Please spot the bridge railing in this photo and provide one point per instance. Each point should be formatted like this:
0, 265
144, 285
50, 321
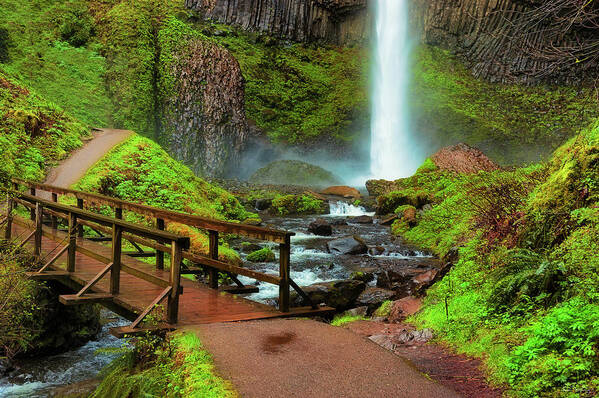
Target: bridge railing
75, 218
211, 263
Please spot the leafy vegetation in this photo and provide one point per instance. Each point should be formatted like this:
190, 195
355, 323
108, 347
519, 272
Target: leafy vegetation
522, 292
176, 367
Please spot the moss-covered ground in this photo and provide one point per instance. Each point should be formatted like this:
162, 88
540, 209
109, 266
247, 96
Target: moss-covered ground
51, 48
522, 293
176, 367
139, 170
34, 133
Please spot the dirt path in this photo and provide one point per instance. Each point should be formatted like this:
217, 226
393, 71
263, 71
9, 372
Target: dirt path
73, 168
305, 358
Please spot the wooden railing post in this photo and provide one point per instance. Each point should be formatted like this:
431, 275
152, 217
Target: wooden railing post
213, 247
115, 271
285, 257
80, 227
175, 280
159, 254
72, 242
9, 207
32, 211
54, 218
39, 212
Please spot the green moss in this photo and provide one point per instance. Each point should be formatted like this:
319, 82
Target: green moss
294, 172
263, 255
511, 123
181, 369
139, 170
384, 309
298, 204
53, 50
341, 319
427, 166
34, 133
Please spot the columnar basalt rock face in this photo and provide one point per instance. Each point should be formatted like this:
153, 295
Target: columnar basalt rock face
509, 40
204, 119
336, 21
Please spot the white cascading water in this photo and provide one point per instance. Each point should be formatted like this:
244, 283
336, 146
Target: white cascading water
393, 153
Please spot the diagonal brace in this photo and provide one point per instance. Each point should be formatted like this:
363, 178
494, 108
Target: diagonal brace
156, 301
95, 280
53, 259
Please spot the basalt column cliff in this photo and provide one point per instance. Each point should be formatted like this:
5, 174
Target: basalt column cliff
336, 21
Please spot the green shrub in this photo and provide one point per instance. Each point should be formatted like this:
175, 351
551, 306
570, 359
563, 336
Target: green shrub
384, 309
76, 25
343, 319
297, 204
561, 352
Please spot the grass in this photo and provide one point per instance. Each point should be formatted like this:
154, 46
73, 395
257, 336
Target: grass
181, 367
341, 319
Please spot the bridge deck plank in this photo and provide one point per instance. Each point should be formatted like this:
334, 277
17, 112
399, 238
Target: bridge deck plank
198, 304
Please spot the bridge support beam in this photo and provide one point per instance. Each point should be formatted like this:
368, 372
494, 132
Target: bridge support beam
284, 260
72, 242
39, 213
115, 270
213, 272
172, 313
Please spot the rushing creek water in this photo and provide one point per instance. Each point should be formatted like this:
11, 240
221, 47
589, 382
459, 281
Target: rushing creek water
38, 377
310, 263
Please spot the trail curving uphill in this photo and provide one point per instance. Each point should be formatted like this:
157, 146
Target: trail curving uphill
75, 166
310, 359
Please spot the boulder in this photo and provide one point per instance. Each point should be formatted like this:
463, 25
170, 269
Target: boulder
403, 308
373, 297
361, 220
376, 250
248, 247
340, 295
384, 340
339, 222
347, 245
294, 172
380, 187
364, 276
252, 221
358, 311
424, 280
344, 191
320, 227
263, 255
263, 204
463, 159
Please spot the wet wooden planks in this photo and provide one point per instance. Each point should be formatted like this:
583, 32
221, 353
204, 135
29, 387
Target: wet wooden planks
198, 304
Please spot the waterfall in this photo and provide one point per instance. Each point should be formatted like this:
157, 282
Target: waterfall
393, 153
340, 208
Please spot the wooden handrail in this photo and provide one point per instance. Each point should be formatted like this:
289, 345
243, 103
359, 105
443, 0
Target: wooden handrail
136, 229
75, 217
136, 234
252, 231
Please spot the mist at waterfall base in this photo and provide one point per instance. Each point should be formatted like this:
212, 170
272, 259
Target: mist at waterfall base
391, 148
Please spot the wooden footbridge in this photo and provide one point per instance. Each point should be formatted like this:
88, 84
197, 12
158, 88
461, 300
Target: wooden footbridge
91, 260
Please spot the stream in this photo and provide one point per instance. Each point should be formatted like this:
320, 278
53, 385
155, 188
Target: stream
39, 377
310, 261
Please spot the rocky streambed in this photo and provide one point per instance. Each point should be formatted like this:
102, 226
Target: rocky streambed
344, 259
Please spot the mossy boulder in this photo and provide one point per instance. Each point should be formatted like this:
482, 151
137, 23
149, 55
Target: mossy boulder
340, 295
305, 203
264, 255
294, 172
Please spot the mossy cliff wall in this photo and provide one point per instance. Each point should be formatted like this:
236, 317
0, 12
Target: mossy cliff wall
334, 21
